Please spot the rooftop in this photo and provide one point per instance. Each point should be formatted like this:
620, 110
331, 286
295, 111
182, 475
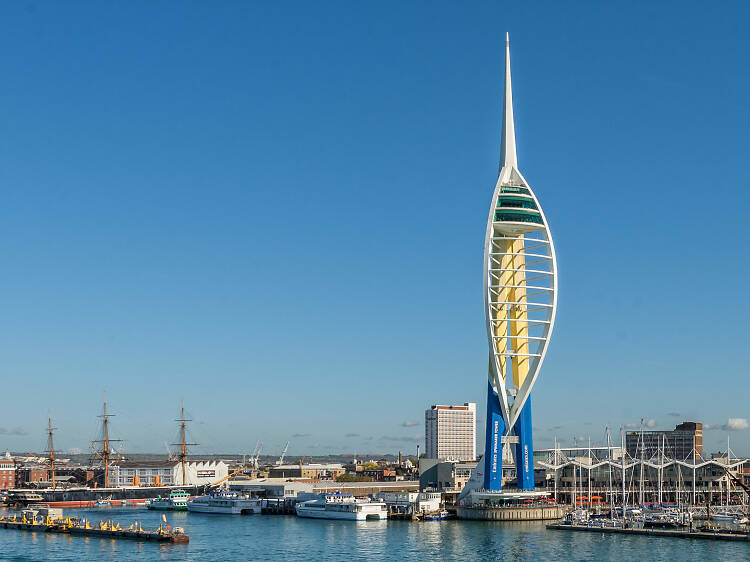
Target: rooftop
314, 466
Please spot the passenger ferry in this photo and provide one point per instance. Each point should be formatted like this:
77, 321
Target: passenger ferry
342, 506
177, 500
229, 503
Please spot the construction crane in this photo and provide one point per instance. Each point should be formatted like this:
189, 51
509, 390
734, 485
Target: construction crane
283, 454
256, 454
243, 468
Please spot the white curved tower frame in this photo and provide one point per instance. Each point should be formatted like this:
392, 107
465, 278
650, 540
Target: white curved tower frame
520, 277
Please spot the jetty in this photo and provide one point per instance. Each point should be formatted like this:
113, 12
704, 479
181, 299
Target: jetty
704, 533
105, 529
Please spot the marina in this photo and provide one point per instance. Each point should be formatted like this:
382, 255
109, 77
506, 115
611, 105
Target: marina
714, 534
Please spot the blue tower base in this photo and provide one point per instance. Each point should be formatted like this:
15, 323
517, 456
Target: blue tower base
493, 449
524, 449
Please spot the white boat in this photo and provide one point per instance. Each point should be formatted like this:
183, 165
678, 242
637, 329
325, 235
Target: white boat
229, 503
342, 506
730, 517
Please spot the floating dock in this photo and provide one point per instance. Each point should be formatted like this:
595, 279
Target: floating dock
717, 535
104, 530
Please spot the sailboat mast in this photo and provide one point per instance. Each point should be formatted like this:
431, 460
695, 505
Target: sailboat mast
640, 484
183, 444
661, 467
622, 439
51, 447
105, 452
555, 463
727, 474
609, 467
575, 470
183, 449
589, 473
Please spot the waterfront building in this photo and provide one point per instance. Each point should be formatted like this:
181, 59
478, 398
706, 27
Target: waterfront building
271, 488
7, 472
31, 475
448, 477
313, 471
520, 293
685, 441
166, 473
285, 488
450, 432
409, 503
601, 474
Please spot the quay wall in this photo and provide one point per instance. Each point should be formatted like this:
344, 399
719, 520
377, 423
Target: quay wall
540, 513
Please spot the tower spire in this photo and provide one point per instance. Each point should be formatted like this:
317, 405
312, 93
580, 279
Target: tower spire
508, 142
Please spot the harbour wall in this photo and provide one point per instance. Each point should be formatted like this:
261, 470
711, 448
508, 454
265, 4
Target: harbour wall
511, 513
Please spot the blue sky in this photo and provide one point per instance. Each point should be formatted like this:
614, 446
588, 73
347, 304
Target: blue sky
277, 213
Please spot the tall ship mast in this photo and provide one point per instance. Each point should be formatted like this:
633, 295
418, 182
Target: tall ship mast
104, 452
183, 444
51, 448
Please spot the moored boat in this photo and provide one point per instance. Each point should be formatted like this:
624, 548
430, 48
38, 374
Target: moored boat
730, 517
228, 503
177, 500
441, 515
342, 506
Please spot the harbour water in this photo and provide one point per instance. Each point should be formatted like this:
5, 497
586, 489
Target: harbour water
214, 537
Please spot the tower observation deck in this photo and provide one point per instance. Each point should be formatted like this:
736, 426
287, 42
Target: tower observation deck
520, 294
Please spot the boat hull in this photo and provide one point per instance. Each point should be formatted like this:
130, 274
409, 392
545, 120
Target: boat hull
224, 510
161, 507
316, 513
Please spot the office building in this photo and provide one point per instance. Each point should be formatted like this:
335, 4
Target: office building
684, 442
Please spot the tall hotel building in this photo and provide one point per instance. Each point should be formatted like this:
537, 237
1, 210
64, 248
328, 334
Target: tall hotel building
450, 432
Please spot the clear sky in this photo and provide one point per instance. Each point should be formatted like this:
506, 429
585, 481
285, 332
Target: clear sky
276, 211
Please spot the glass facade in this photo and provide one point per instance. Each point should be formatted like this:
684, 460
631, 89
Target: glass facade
514, 189
518, 216
516, 202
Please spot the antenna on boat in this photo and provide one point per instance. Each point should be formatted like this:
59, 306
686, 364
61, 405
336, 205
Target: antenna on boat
183, 454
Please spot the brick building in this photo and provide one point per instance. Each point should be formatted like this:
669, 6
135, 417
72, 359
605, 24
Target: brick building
7, 473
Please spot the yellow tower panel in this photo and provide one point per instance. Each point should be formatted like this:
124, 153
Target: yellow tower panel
511, 320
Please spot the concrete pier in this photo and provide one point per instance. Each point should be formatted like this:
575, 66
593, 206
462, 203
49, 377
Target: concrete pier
511, 513
716, 535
